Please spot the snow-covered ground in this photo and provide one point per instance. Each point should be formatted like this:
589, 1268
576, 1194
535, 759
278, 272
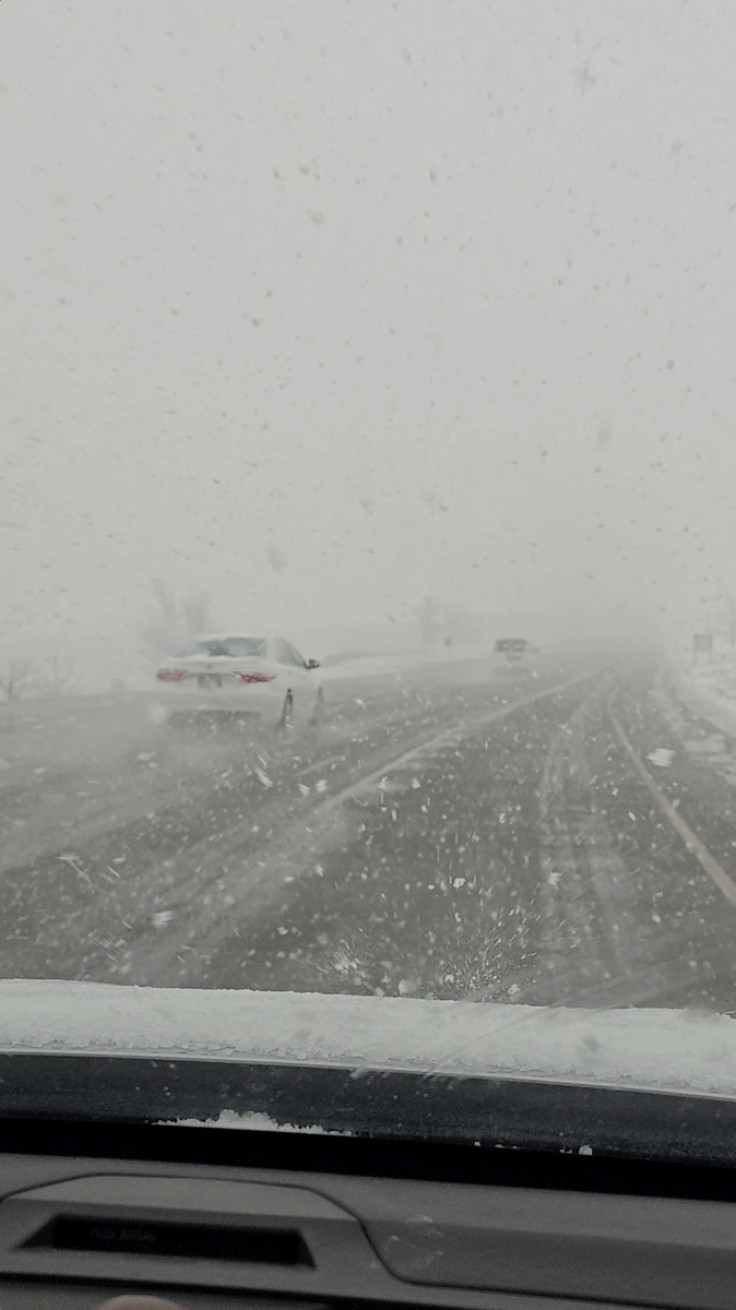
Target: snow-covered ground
42, 737
709, 691
397, 663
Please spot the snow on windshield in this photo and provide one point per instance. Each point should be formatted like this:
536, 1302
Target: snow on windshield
663, 1050
399, 333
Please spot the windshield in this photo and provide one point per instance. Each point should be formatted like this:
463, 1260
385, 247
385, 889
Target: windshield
232, 647
401, 332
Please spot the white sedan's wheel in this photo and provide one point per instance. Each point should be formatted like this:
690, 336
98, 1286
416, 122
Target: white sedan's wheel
287, 714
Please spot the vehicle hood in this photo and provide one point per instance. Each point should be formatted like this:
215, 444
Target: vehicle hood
657, 1049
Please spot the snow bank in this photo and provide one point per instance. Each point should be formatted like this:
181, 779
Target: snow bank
709, 691
370, 666
659, 1049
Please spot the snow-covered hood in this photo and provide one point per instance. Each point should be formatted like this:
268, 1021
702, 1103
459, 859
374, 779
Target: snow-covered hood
663, 1050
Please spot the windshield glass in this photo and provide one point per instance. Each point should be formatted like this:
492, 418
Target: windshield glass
401, 331
234, 647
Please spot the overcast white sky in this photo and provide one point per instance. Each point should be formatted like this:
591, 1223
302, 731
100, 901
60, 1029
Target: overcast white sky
424, 294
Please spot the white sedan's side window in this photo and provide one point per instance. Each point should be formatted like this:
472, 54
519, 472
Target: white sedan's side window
285, 654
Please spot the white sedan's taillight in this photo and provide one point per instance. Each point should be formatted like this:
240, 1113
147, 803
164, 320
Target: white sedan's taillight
249, 678
170, 675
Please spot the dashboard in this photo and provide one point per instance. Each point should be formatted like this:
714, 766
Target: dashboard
216, 1217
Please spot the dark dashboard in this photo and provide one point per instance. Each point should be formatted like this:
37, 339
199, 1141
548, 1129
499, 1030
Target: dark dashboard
94, 1206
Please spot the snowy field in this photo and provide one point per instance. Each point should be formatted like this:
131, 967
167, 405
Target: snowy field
370, 666
709, 690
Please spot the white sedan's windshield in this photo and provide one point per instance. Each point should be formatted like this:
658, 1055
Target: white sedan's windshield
231, 647
368, 533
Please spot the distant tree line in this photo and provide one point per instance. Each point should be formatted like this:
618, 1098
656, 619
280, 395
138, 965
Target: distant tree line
23, 675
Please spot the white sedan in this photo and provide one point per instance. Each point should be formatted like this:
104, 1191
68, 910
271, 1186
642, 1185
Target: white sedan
259, 677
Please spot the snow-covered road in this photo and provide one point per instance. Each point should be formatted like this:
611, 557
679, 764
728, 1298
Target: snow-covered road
443, 833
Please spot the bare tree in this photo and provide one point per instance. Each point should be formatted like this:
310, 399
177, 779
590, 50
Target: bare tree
165, 601
197, 608
55, 674
171, 620
16, 673
160, 628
